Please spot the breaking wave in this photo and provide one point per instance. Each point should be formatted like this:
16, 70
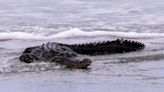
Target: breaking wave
42, 34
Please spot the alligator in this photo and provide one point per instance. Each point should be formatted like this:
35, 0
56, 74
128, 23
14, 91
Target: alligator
69, 54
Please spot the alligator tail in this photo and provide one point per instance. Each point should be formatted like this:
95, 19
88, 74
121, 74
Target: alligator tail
107, 47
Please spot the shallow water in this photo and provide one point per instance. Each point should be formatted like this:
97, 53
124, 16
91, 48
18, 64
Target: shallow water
27, 23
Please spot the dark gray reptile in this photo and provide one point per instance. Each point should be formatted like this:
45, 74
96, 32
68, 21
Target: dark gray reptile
68, 55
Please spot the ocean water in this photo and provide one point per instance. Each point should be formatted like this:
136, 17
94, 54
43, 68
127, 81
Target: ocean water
27, 23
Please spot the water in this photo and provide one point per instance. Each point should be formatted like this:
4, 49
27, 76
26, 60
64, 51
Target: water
27, 23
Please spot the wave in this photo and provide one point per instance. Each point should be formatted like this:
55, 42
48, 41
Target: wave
75, 32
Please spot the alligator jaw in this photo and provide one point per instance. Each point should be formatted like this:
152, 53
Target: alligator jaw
73, 63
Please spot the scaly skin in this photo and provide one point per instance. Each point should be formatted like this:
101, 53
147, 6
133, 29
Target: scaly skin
66, 54
107, 47
54, 52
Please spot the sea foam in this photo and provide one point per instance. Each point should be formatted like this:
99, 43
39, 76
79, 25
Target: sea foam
75, 32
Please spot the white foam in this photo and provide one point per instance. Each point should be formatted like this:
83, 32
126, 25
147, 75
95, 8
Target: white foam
75, 32
19, 35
